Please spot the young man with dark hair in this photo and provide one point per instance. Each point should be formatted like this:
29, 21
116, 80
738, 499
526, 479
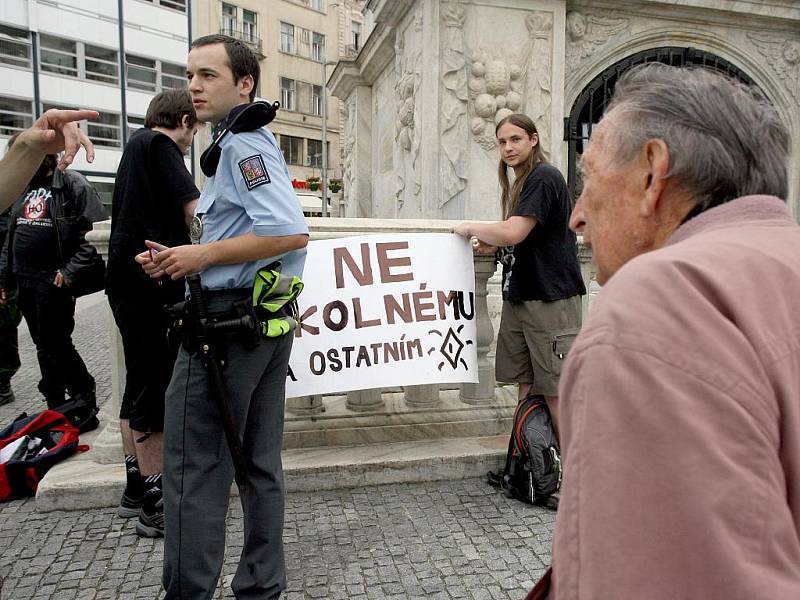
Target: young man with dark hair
153, 197
44, 252
247, 217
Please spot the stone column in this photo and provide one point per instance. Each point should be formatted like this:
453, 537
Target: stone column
107, 448
305, 405
357, 165
422, 396
365, 400
483, 391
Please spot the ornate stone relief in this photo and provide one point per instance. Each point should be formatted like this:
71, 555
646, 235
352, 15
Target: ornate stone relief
539, 79
407, 68
349, 152
587, 33
454, 104
499, 83
783, 57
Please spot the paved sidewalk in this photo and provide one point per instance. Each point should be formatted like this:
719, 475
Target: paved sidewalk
443, 540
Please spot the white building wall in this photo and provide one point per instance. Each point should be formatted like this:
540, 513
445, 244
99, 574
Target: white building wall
150, 31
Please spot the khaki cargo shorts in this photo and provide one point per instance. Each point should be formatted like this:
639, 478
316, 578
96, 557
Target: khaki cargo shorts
533, 342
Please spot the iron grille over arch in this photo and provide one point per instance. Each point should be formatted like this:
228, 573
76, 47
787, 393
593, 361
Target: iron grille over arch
593, 100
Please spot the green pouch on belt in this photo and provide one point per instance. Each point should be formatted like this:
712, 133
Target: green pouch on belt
274, 298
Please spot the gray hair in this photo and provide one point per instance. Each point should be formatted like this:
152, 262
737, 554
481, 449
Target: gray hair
725, 139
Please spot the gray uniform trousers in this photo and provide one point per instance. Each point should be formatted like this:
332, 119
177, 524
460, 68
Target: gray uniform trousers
198, 472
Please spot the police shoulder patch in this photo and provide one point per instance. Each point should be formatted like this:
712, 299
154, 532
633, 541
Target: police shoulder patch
254, 171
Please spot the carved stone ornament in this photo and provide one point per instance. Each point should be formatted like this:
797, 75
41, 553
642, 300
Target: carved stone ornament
587, 33
408, 70
454, 137
349, 151
500, 84
783, 57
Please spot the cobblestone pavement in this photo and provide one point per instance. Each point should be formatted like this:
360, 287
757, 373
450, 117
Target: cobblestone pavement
443, 540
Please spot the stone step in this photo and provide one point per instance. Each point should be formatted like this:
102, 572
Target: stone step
83, 483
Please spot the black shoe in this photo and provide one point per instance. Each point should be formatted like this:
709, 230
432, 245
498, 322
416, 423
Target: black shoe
129, 507
494, 479
6, 394
151, 524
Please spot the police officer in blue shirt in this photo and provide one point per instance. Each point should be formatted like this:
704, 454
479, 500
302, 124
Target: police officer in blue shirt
247, 216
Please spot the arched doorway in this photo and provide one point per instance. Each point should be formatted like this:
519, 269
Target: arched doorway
592, 101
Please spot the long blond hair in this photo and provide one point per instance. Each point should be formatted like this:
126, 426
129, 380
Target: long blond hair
510, 193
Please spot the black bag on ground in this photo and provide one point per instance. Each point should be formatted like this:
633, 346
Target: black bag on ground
532, 471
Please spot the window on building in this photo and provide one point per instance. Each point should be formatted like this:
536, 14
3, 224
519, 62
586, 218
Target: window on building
15, 115
15, 47
318, 5
100, 64
356, 35
318, 47
173, 4
304, 42
292, 148
141, 72
288, 91
105, 130
58, 55
134, 123
173, 76
314, 153
104, 189
287, 38
230, 24
316, 100
249, 26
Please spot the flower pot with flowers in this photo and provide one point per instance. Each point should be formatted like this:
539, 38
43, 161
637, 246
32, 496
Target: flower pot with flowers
312, 183
335, 185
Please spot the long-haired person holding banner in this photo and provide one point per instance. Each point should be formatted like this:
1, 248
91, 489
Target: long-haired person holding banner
542, 283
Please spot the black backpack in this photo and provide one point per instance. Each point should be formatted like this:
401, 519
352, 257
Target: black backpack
533, 464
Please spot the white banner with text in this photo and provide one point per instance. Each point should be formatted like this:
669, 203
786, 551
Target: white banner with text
385, 310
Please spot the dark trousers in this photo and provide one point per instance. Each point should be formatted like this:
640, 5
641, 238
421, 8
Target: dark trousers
198, 472
9, 346
143, 321
49, 312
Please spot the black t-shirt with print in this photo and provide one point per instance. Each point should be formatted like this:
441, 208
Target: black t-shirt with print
151, 189
544, 266
35, 248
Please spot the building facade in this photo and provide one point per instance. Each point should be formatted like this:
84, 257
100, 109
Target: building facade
298, 42
433, 77
75, 54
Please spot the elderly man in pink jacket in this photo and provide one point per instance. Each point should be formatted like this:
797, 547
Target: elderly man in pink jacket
681, 396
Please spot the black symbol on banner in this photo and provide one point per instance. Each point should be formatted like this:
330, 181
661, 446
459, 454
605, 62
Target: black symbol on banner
451, 347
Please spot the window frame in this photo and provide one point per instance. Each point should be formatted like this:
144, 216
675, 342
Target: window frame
287, 39
27, 118
54, 68
288, 102
8, 35
299, 147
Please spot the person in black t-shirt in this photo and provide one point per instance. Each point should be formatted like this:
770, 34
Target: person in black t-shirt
154, 197
45, 252
542, 284
9, 320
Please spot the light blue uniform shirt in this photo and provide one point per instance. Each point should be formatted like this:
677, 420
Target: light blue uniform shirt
250, 192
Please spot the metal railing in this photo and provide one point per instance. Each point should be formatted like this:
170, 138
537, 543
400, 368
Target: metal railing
248, 38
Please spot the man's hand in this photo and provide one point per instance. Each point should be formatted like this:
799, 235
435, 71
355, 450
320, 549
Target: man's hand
480, 247
55, 131
180, 261
2, 296
146, 260
462, 229
59, 280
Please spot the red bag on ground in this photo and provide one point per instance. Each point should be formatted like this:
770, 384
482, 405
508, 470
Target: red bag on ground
29, 446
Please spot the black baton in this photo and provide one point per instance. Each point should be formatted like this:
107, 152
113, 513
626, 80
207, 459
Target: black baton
198, 311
